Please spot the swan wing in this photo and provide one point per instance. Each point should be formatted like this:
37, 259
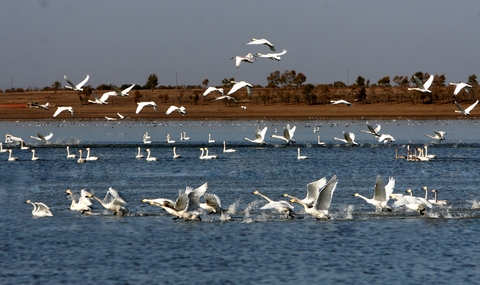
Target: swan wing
470, 108
418, 82
379, 191
171, 109
182, 201
193, 202
79, 85
104, 97
326, 193
212, 200
115, 196
140, 106
200, 191
459, 107
429, 82
209, 89
118, 92
59, 110
47, 137
69, 82
313, 190
236, 86
389, 187
126, 90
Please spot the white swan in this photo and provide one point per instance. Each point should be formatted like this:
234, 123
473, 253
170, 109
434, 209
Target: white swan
139, 153
436, 201
80, 159
80, 201
40, 209
61, 109
439, 135
272, 56
113, 202
421, 155
210, 140
33, 155
117, 92
313, 189
417, 204
150, 158
212, 204
183, 136
238, 59
100, 101
425, 188
90, 158
77, 87
180, 110
430, 156
467, 110
287, 134
226, 97
70, 155
320, 142
423, 87
146, 138
42, 138
23, 146
45, 106
386, 138
122, 117
2, 149
398, 156
211, 156
300, 157
374, 132
175, 155
10, 157
349, 139
381, 194
110, 118
11, 139
255, 41
259, 136
281, 206
336, 102
225, 149
459, 87
168, 140
238, 85
213, 89
202, 156
140, 106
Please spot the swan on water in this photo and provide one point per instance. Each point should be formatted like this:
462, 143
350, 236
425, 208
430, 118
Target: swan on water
150, 158
413, 203
33, 155
90, 158
374, 132
180, 110
430, 156
423, 87
212, 204
139, 153
336, 102
146, 138
459, 87
349, 139
113, 202
140, 106
320, 142
300, 157
272, 56
255, 41
225, 149
211, 156
439, 135
80, 159
42, 138
175, 155
77, 87
40, 209
259, 136
168, 140
313, 189
2, 149
436, 201
238, 85
61, 109
398, 156
287, 134
381, 194
466, 111
210, 140
238, 59
80, 201
213, 89
10, 157
183, 136
281, 206
22, 146
70, 155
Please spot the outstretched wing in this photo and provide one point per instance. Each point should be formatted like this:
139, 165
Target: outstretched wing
79, 85
429, 82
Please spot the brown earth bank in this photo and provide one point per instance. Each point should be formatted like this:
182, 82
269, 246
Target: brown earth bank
15, 106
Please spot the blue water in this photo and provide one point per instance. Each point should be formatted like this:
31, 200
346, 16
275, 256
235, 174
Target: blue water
252, 247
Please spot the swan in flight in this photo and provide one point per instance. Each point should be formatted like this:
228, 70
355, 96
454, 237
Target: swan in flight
210, 140
140, 106
70, 155
423, 87
80, 159
459, 87
90, 158
272, 56
313, 189
255, 41
417, 204
300, 157
77, 87
183, 136
117, 92
40, 209
259, 136
281, 206
10, 157
113, 202
349, 139
80, 201
33, 155
42, 138
180, 110
2, 149
436, 201
212, 204
101, 101
238, 85
175, 155
11, 139
226, 97
139, 153
122, 117
386, 138
45, 106
467, 110
150, 158
225, 149
439, 135
110, 118
381, 194
374, 132
61, 109
319, 208
336, 102
213, 89
287, 134
168, 140
238, 59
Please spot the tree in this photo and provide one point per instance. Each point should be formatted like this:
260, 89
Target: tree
384, 81
472, 80
205, 82
288, 77
56, 85
137, 96
227, 82
339, 84
273, 80
152, 82
362, 95
299, 79
360, 81
310, 96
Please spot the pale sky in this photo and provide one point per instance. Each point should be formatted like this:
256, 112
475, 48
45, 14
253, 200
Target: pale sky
122, 42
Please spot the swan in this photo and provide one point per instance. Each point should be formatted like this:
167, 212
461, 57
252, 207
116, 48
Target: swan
213, 89
183, 136
180, 110
40, 209
238, 59
90, 158
287, 134
80, 201
207, 156
423, 87
113, 202
381, 194
100, 101
281, 206
238, 85
225, 149
117, 92
45, 106
320, 142
398, 156
300, 157
349, 139
22, 146
69, 155
2, 149
212, 204
243, 107
150, 158
259, 136
33, 155
110, 118
386, 138
210, 139
139, 153
61, 109
226, 97
439, 135
425, 188
146, 138
321, 205
122, 117
175, 155
467, 110
140, 106
42, 138
202, 156
272, 56
80, 159
77, 87
168, 140
372, 131
10, 157
313, 189
421, 155
336, 102
417, 204
459, 87
430, 156
255, 41
436, 201
11, 139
